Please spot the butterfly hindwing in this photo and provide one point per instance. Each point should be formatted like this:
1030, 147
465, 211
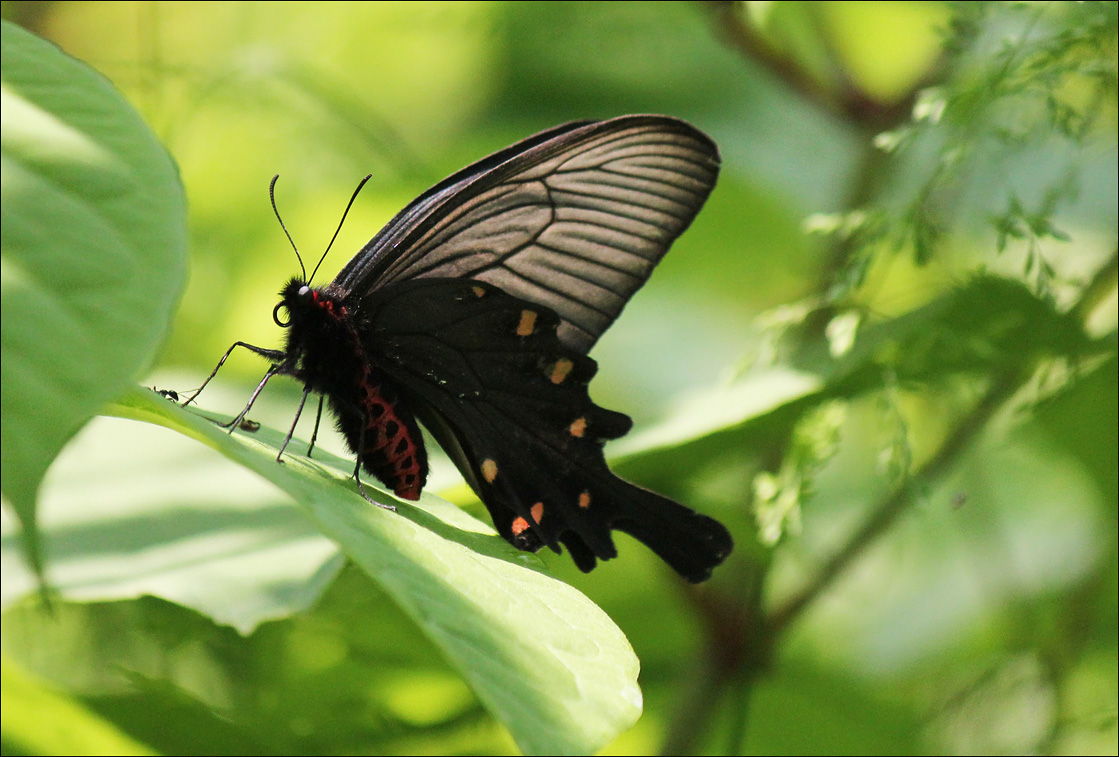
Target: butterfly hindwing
488, 374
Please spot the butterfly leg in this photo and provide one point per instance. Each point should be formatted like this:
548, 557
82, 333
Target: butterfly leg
315, 433
240, 417
291, 431
276, 356
357, 475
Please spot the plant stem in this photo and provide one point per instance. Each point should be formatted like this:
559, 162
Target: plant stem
883, 515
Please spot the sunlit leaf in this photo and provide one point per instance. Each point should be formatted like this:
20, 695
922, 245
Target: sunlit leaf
93, 255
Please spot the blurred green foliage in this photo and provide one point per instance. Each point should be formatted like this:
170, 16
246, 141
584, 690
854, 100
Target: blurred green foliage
884, 355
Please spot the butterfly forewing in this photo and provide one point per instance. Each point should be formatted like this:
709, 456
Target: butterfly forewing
575, 222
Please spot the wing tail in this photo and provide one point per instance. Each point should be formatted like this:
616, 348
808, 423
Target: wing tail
692, 544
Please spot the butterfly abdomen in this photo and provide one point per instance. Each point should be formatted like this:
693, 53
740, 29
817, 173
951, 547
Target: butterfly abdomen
384, 435
378, 427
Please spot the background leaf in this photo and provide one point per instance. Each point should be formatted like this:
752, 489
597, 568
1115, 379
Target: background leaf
94, 255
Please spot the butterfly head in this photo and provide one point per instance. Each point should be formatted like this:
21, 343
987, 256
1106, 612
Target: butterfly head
295, 298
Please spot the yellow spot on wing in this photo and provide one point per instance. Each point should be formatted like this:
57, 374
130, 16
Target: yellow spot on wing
538, 511
527, 324
478, 291
561, 370
578, 426
489, 470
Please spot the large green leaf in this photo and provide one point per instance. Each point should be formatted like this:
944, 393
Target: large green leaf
39, 720
93, 255
130, 510
544, 659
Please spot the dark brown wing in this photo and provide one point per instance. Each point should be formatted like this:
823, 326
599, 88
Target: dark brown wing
488, 375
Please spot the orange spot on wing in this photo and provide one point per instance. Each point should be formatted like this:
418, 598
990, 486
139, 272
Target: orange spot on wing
578, 426
561, 370
478, 291
527, 324
538, 511
585, 500
489, 470
520, 525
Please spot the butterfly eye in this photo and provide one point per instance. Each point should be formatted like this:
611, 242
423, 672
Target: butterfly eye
276, 316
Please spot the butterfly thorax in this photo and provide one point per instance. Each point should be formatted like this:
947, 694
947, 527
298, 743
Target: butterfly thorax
325, 351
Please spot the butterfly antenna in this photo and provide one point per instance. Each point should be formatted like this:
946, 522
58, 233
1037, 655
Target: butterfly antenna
344, 214
272, 196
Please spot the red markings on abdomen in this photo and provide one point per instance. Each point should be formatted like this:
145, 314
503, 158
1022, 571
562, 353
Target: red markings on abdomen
389, 449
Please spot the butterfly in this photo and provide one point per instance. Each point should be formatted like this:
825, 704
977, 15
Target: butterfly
473, 311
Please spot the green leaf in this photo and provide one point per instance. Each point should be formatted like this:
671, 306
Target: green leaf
38, 720
544, 659
93, 256
130, 510
986, 325
353, 675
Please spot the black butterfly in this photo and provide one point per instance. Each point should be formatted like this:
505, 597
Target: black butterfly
473, 311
